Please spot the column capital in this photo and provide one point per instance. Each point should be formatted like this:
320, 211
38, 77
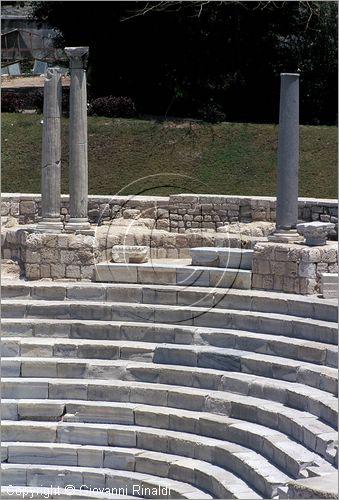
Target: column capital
55, 70
77, 56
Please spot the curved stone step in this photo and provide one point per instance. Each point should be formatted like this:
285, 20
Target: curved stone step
271, 443
305, 351
280, 324
8, 492
245, 463
220, 483
234, 258
314, 487
259, 393
198, 357
247, 300
128, 481
304, 428
167, 274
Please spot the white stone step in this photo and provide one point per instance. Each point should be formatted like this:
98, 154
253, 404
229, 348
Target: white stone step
278, 324
176, 357
314, 487
129, 482
234, 258
271, 443
250, 300
221, 482
50, 334
304, 428
245, 463
199, 396
9, 492
172, 274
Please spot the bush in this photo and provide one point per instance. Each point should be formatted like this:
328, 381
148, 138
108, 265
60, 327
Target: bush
34, 100
212, 112
114, 107
10, 103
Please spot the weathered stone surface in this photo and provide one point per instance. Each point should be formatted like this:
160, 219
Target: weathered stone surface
125, 253
315, 233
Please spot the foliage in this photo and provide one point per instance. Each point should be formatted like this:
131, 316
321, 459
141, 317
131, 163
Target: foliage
10, 103
172, 57
112, 106
212, 112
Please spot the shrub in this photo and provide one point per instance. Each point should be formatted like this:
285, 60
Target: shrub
212, 112
35, 100
112, 106
10, 103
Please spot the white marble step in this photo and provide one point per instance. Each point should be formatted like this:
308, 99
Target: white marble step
9, 492
248, 465
129, 482
173, 274
314, 487
39, 330
305, 429
201, 358
249, 300
201, 395
280, 324
234, 258
269, 442
221, 483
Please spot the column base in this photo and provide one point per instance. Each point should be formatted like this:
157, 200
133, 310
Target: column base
285, 236
49, 225
79, 225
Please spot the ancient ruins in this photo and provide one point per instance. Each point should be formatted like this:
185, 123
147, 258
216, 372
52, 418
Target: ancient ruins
167, 347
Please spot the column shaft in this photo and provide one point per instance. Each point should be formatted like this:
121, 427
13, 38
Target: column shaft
51, 153
78, 172
288, 153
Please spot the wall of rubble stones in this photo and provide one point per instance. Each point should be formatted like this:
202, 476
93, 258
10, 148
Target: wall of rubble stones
292, 268
175, 213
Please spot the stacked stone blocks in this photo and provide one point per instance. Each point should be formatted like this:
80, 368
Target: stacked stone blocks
57, 256
292, 268
176, 213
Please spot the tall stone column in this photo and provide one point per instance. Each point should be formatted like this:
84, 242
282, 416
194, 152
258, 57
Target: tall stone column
288, 160
51, 154
78, 171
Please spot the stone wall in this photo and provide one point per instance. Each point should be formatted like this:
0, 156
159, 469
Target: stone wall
292, 268
212, 211
26, 208
177, 213
52, 256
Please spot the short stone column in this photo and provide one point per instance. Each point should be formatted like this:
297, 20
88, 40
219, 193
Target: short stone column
78, 170
51, 154
288, 160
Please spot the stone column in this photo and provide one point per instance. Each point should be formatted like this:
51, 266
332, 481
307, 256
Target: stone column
78, 170
51, 154
288, 160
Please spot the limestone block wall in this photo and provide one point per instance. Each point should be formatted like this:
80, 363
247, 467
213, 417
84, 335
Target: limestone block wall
175, 213
26, 208
52, 256
212, 211
292, 268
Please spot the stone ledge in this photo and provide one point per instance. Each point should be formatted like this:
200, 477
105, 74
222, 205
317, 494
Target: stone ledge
314, 487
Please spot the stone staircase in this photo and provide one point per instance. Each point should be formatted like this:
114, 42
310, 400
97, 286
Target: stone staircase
210, 392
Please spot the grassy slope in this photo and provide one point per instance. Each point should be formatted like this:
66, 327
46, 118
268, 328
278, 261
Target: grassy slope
228, 158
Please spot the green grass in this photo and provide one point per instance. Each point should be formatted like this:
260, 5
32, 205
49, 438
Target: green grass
162, 157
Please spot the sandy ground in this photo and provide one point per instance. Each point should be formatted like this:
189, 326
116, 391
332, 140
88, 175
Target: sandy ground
28, 81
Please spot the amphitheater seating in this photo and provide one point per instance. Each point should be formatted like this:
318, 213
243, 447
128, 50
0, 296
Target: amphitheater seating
212, 392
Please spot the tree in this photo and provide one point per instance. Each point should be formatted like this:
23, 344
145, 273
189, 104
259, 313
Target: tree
184, 57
